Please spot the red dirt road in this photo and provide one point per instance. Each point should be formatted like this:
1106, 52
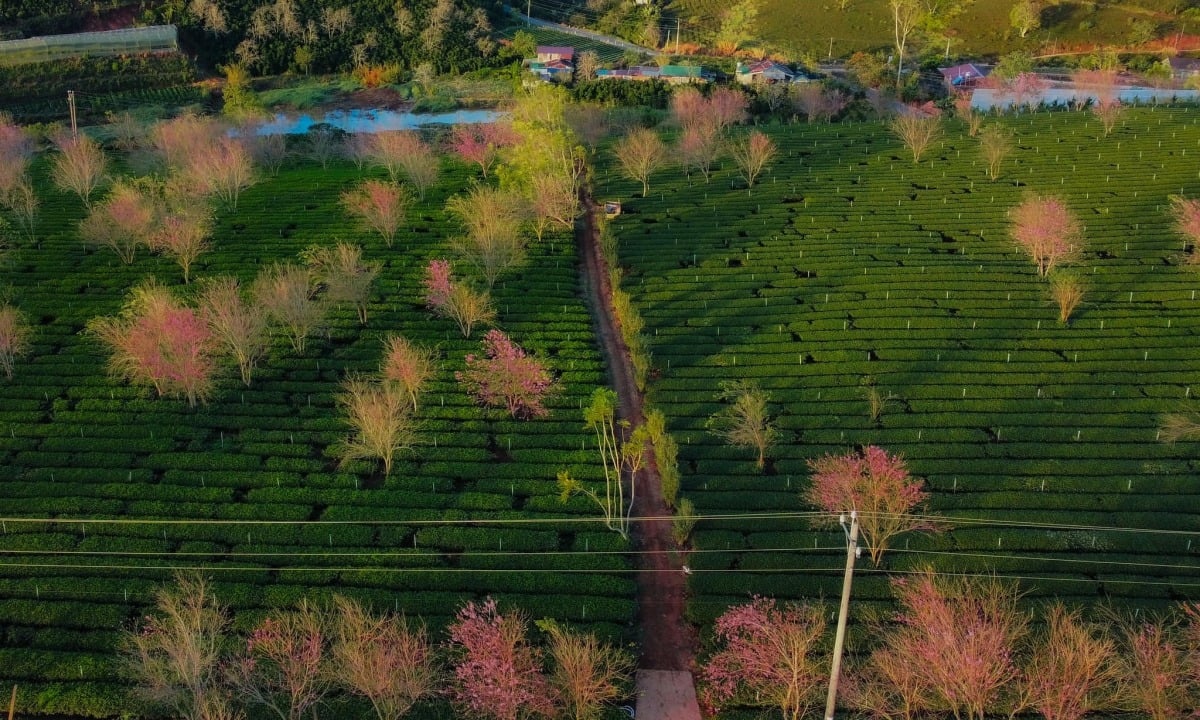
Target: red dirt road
667, 641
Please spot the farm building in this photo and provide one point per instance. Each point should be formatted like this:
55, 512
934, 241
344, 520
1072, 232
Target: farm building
961, 77
1184, 69
673, 74
767, 71
553, 70
549, 53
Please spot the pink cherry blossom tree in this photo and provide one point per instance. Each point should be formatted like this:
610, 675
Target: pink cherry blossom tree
1103, 86
1047, 230
768, 657
285, 667
497, 674
378, 205
960, 636
16, 150
507, 377
455, 300
481, 143
14, 338
125, 220
878, 486
160, 342
402, 152
223, 167
698, 148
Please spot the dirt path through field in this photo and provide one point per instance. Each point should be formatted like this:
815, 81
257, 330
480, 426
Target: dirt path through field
666, 638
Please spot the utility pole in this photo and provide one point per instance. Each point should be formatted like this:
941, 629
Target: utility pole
830, 48
676, 34
71, 106
528, 12
839, 639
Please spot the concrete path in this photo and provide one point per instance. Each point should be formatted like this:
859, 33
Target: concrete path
666, 695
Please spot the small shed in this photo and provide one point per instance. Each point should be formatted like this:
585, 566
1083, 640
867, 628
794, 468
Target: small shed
548, 53
764, 71
961, 77
612, 208
1184, 68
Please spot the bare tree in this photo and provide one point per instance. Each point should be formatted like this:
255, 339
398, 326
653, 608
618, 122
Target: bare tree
174, 657
1074, 669
382, 658
182, 234
587, 673
746, 420
408, 365
555, 202
449, 298
222, 168
586, 65
346, 276
125, 220
492, 218
640, 153
1067, 292
380, 206
79, 166
288, 295
284, 667
402, 152
916, 130
14, 338
240, 327
1154, 671
381, 419
752, 153
995, 143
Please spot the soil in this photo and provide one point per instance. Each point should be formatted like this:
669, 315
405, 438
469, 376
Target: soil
667, 640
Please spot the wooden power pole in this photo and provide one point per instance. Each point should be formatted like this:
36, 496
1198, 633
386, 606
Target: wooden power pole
71, 107
839, 639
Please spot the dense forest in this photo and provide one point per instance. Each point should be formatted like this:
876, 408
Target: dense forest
298, 35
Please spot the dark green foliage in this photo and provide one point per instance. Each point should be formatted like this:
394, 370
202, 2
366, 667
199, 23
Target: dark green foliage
649, 93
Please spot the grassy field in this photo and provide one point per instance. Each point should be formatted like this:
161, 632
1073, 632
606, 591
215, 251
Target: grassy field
849, 265
547, 36
983, 29
246, 489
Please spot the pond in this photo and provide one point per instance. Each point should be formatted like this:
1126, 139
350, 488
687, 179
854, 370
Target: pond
988, 99
371, 121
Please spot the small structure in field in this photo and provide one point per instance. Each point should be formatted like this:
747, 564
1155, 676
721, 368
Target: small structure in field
962, 77
612, 208
548, 53
672, 74
767, 72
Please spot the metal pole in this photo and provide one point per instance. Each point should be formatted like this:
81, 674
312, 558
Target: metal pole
676, 34
528, 12
840, 637
71, 105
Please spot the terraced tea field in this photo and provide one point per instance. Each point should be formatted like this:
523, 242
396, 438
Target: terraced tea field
104, 490
849, 265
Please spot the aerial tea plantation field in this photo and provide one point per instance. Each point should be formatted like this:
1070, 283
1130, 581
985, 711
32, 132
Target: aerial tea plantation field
849, 267
105, 489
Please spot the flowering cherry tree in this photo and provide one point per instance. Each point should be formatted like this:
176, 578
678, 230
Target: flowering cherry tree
1045, 227
507, 377
125, 220
158, 341
959, 637
285, 667
1073, 670
183, 235
497, 674
698, 148
402, 152
378, 205
768, 657
481, 143
874, 483
408, 365
456, 300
